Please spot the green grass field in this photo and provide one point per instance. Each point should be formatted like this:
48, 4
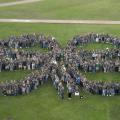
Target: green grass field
106, 77
4, 1
44, 104
65, 9
14, 75
96, 46
62, 32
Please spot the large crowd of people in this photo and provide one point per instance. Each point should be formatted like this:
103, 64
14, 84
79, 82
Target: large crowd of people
64, 67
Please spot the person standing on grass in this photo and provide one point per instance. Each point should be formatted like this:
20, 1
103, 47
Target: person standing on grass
56, 82
0, 65
59, 87
62, 92
69, 92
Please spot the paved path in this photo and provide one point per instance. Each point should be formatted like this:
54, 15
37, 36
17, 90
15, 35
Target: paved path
60, 21
18, 2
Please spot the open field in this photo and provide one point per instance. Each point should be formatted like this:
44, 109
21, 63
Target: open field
96, 46
106, 77
43, 103
65, 9
4, 1
14, 3
63, 33
15, 75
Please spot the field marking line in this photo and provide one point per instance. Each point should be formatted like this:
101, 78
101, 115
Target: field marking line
18, 2
106, 22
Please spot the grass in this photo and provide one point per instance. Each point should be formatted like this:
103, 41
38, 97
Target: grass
4, 1
96, 46
36, 48
65, 9
106, 77
44, 104
62, 32
13, 75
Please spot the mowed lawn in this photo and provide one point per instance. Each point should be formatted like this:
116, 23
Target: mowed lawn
4, 1
65, 9
62, 32
106, 77
96, 46
44, 104
14, 75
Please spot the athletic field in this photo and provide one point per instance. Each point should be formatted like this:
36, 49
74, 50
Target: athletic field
44, 104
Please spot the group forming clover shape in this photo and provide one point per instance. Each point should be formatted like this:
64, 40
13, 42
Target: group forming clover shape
60, 65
